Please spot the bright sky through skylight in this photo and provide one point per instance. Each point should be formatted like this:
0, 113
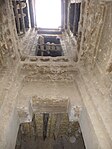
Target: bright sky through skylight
48, 13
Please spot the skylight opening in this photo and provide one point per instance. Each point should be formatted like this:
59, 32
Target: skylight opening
48, 14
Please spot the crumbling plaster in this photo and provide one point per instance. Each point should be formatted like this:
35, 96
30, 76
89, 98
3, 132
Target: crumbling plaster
95, 58
8, 35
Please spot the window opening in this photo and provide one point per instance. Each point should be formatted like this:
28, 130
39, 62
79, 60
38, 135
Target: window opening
49, 46
21, 15
48, 13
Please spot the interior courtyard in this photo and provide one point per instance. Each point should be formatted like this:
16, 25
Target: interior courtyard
55, 74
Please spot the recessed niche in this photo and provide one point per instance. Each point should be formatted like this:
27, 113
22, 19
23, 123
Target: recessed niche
49, 46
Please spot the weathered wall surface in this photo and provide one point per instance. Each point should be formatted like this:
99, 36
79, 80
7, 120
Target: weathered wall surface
96, 44
96, 58
104, 53
105, 45
8, 113
91, 25
8, 86
95, 30
8, 37
8, 72
96, 39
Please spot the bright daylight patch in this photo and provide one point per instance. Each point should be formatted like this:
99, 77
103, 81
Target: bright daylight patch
48, 13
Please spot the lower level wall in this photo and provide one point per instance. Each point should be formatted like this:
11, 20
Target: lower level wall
88, 132
9, 131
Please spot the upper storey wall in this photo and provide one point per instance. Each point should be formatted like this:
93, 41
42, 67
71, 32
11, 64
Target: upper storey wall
104, 52
95, 33
8, 37
95, 46
91, 25
95, 38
